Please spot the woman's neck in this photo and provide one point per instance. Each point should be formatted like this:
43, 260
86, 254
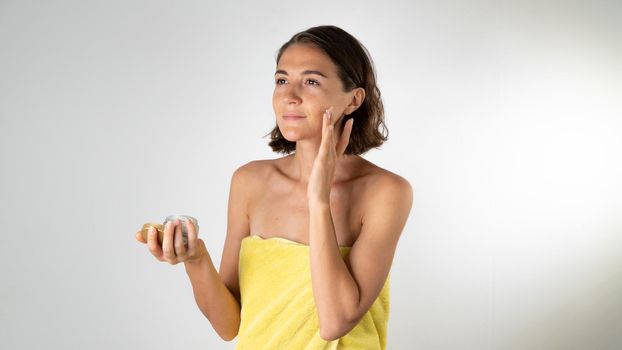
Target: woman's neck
301, 162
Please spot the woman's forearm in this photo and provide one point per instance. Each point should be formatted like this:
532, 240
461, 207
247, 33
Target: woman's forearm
213, 298
334, 288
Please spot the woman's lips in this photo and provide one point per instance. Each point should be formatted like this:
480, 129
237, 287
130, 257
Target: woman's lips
293, 117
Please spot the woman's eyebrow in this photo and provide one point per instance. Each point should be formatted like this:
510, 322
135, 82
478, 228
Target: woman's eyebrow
280, 71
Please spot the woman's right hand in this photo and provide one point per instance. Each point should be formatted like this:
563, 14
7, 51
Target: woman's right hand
173, 250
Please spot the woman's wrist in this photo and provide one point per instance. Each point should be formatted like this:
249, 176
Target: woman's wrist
197, 263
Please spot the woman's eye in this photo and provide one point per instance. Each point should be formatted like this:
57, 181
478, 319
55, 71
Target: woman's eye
281, 81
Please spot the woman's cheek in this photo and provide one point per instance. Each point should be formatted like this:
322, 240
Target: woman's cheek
319, 114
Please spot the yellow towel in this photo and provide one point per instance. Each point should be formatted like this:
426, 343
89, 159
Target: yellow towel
278, 308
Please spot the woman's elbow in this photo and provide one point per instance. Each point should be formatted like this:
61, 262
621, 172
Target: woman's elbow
335, 330
227, 333
227, 336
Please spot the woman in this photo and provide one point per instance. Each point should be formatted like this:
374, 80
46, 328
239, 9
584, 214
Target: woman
310, 236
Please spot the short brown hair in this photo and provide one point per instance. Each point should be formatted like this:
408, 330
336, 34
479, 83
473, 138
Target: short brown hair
356, 69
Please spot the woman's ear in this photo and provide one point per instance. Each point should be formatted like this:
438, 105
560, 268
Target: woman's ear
358, 96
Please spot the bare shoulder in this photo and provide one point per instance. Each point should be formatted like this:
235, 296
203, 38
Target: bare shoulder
253, 169
378, 179
383, 189
251, 178
253, 172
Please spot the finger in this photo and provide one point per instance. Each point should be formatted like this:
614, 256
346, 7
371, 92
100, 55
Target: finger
327, 133
192, 238
139, 237
332, 119
344, 138
167, 242
334, 123
180, 247
326, 120
333, 136
153, 245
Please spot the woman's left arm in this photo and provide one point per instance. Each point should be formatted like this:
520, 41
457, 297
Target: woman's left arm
345, 290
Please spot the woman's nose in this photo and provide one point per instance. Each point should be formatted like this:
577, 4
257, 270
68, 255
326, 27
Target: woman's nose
291, 95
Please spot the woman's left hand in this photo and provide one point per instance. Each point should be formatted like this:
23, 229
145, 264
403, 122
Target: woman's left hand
330, 153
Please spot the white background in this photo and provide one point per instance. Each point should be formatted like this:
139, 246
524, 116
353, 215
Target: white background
504, 116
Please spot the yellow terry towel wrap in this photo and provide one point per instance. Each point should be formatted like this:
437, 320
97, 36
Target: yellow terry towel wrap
278, 308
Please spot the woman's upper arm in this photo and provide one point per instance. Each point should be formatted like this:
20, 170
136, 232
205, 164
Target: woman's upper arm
238, 226
372, 254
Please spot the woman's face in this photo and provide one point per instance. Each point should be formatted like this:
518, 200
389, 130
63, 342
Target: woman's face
306, 84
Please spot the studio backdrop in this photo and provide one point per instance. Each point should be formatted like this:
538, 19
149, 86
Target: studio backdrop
505, 117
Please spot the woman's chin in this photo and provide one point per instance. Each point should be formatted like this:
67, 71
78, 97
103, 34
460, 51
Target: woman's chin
294, 134
291, 135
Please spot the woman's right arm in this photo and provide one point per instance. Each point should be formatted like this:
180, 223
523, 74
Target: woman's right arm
213, 297
218, 294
